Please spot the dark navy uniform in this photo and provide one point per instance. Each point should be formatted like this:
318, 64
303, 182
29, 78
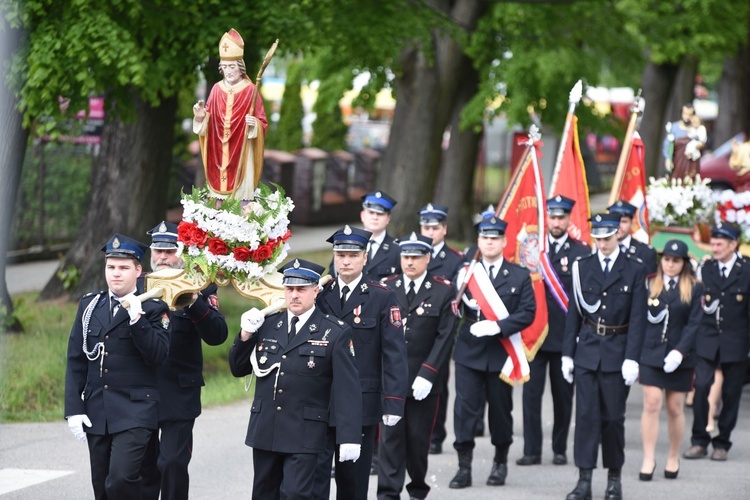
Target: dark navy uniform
604, 335
672, 324
446, 262
429, 321
386, 261
549, 354
374, 316
314, 382
115, 383
722, 341
180, 381
643, 251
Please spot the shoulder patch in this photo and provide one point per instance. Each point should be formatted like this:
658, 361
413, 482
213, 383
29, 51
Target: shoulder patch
395, 316
442, 280
213, 302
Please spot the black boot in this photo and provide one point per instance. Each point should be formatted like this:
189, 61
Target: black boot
614, 486
498, 474
462, 479
582, 490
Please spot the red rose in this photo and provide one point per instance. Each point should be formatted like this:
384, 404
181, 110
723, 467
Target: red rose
184, 229
287, 235
242, 254
190, 234
262, 253
217, 246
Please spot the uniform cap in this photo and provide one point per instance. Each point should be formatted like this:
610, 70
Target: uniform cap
559, 205
432, 214
415, 244
350, 238
301, 273
123, 247
378, 202
622, 208
164, 235
726, 230
676, 248
491, 227
604, 225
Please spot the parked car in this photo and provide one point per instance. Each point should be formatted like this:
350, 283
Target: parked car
715, 166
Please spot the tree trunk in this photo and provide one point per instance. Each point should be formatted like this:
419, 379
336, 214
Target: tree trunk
456, 182
128, 190
733, 98
12, 150
657, 89
426, 93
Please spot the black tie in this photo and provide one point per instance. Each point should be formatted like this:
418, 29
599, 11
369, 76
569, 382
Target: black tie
492, 272
373, 248
670, 284
724, 272
344, 293
410, 294
606, 266
115, 306
555, 247
293, 328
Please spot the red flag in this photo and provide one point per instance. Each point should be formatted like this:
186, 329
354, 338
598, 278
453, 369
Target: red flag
524, 209
571, 182
633, 189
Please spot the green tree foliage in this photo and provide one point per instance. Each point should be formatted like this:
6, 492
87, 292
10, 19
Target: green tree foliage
329, 129
288, 136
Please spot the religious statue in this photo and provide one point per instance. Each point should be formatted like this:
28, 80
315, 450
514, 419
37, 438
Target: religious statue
683, 144
231, 126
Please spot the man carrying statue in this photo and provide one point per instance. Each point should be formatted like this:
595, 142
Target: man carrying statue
231, 126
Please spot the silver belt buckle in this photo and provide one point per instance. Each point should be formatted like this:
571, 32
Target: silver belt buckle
601, 330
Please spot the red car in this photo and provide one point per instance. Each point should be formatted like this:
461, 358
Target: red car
715, 166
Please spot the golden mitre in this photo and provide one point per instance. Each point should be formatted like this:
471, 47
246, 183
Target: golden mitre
231, 46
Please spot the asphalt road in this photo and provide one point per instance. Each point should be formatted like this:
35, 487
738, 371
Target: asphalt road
222, 464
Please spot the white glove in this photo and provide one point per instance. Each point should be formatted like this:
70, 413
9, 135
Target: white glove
629, 371
135, 308
75, 424
348, 451
672, 361
421, 388
252, 320
484, 328
566, 364
391, 420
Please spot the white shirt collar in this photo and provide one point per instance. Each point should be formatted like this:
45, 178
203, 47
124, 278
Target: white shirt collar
612, 257
378, 239
113, 296
498, 264
351, 285
729, 265
302, 317
560, 241
417, 282
436, 248
626, 241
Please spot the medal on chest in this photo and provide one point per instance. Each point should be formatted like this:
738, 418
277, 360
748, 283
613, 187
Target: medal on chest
357, 311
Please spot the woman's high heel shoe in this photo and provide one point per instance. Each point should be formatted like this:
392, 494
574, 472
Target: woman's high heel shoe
648, 476
672, 474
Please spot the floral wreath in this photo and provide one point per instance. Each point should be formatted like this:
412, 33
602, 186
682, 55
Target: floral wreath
235, 239
732, 206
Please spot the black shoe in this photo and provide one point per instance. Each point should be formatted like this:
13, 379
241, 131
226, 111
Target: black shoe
436, 448
462, 479
529, 460
479, 432
672, 474
614, 486
582, 490
498, 474
560, 459
647, 476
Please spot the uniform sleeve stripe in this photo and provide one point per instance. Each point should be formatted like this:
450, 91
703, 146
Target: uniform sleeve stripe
430, 368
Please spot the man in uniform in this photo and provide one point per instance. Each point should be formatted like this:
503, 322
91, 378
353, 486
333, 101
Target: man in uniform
643, 251
563, 252
603, 338
426, 301
479, 355
373, 313
306, 376
723, 340
165, 467
382, 250
115, 345
444, 261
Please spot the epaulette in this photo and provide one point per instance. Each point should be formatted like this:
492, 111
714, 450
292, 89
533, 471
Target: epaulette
442, 280
587, 256
378, 284
334, 320
91, 294
634, 257
388, 278
454, 251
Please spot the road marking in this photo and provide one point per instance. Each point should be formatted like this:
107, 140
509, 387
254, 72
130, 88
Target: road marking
16, 479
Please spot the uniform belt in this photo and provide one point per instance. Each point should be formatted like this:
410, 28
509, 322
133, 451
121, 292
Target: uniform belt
603, 330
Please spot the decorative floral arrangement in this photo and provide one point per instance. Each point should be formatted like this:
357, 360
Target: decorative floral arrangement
734, 207
680, 202
234, 239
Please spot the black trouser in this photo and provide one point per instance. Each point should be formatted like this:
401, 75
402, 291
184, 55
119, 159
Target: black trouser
439, 433
283, 475
165, 467
352, 478
472, 387
562, 403
404, 448
731, 393
116, 463
600, 417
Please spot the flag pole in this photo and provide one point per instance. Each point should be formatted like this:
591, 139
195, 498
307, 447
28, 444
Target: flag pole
622, 163
573, 98
533, 137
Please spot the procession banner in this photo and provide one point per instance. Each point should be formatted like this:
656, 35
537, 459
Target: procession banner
633, 189
572, 183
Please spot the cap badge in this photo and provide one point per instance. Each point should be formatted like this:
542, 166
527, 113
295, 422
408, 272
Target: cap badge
162, 227
378, 195
619, 203
558, 198
296, 263
413, 236
598, 218
347, 230
493, 220
116, 243
429, 207
674, 246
